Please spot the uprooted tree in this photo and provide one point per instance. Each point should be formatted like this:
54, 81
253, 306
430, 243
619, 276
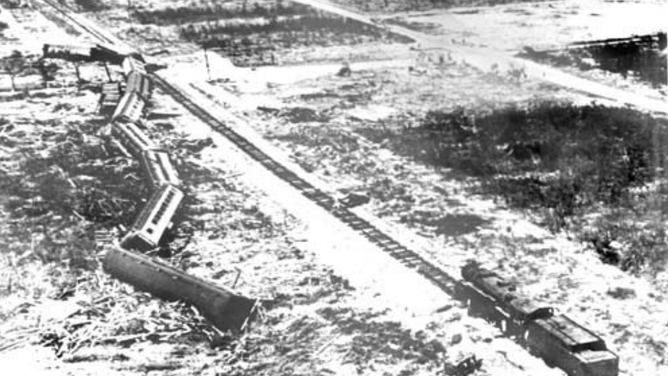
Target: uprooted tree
47, 70
14, 64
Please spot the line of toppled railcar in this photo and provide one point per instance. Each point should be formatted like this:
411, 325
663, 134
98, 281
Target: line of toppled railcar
156, 216
124, 104
559, 340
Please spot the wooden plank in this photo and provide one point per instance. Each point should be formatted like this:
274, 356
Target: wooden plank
225, 309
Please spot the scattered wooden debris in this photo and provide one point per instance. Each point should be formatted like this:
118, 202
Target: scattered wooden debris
223, 308
465, 367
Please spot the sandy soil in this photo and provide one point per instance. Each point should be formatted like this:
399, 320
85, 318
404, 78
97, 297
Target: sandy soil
488, 58
242, 226
513, 26
62, 315
471, 227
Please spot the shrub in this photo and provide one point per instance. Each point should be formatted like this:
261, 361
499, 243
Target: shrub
635, 247
552, 155
641, 55
91, 5
215, 11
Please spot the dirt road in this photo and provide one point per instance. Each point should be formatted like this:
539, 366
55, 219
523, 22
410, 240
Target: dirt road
484, 59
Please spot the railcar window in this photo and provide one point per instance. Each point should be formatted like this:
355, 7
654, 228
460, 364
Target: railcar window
163, 207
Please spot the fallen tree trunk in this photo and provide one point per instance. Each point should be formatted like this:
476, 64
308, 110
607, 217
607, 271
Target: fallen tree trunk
223, 308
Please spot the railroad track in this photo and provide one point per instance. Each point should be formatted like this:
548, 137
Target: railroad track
383, 241
558, 340
66, 12
386, 243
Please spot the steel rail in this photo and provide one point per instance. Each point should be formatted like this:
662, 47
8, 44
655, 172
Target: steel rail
383, 241
386, 243
405, 256
66, 12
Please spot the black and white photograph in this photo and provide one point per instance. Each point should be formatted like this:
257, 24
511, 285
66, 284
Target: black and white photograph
333, 188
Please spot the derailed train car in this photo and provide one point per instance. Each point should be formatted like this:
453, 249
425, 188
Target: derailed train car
560, 341
73, 53
153, 220
130, 108
131, 137
158, 168
131, 64
111, 94
137, 93
138, 83
224, 308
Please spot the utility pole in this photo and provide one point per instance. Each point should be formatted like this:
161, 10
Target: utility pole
206, 60
76, 70
106, 69
132, 27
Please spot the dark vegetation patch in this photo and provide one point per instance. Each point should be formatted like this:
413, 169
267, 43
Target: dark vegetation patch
220, 10
255, 43
381, 340
12, 4
307, 30
76, 175
252, 34
425, 27
303, 114
637, 246
549, 154
638, 56
388, 6
91, 5
448, 224
558, 159
63, 187
320, 137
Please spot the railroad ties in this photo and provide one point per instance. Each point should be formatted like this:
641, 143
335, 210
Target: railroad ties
383, 241
557, 339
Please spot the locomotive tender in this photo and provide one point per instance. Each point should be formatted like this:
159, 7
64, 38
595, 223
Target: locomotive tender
557, 339
154, 219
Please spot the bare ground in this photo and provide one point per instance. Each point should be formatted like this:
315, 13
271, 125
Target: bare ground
235, 231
